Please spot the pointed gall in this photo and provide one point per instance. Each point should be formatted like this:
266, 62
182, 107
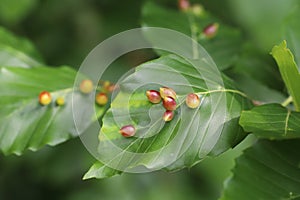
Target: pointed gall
183, 5
211, 30
127, 131
192, 100
169, 103
165, 91
153, 96
168, 115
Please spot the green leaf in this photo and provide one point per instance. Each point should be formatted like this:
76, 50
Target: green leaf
291, 33
192, 135
256, 74
256, 90
24, 123
99, 170
223, 48
17, 51
289, 71
268, 170
271, 121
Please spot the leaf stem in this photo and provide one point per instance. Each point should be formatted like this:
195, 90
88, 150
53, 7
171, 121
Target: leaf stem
223, 90
193, 28
181, 99
287, 101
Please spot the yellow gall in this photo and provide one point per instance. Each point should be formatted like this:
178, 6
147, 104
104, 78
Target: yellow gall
165, 91
168, 115
45, 98
101, 99
86, 86
60, 101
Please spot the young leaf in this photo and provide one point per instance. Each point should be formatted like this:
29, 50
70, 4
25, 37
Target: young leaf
189, 137
24, 122
291, 33
223, 48
289, 71
268, 170
271, 121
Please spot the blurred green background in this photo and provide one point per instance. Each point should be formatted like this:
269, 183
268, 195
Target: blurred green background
65, 31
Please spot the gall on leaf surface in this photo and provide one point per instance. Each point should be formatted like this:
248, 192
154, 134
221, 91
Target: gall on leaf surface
25, 123
189, 137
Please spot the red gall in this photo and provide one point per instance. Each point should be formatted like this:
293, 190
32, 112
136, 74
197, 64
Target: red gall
183, 5
127, 131
153, 96
211, 30
192, 100
169, 103
168, 115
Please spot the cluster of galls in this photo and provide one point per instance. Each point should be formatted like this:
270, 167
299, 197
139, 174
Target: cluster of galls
45, 98
168, 97
86, 86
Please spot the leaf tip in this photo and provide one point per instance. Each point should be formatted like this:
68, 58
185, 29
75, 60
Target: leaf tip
282, 45
87, 176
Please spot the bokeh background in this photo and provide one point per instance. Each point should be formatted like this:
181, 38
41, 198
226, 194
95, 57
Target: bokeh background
65, 31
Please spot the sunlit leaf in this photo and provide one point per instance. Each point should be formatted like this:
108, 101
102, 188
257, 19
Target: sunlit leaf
289, 71
192, 135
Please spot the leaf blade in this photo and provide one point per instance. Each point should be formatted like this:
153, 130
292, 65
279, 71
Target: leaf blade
190, 128
271, 121
289, 71
267, 170
24, 123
